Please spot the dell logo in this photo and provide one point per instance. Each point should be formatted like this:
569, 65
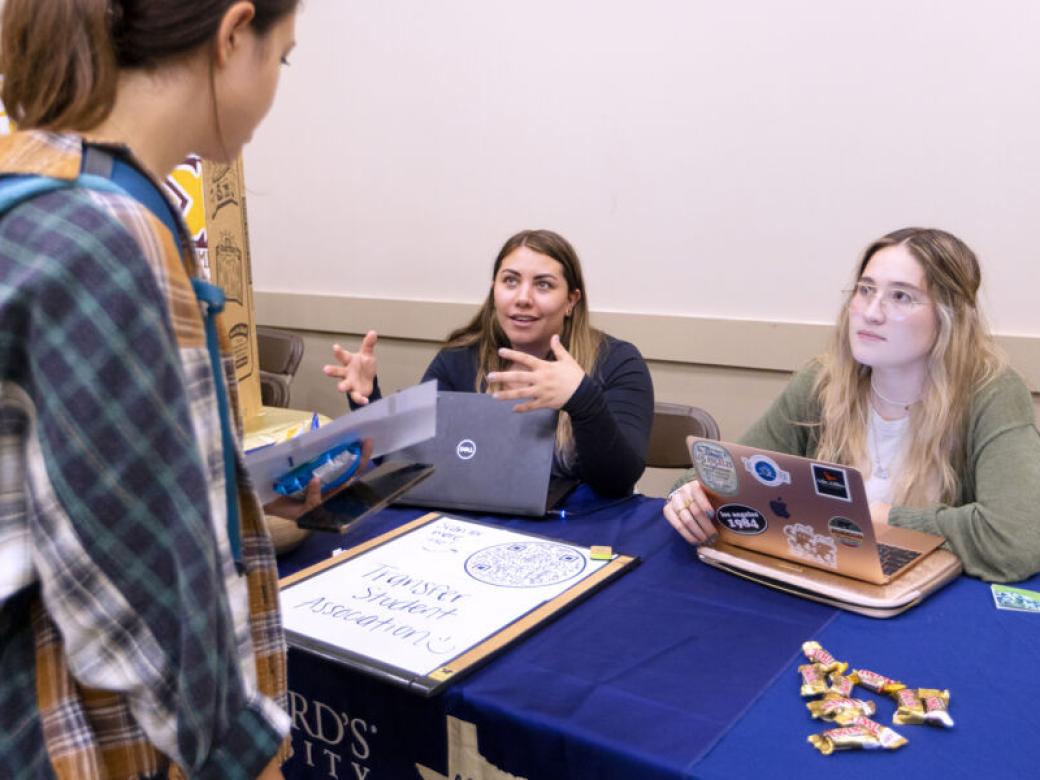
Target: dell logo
466, 449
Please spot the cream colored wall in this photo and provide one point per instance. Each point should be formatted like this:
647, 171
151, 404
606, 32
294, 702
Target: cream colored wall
707, 159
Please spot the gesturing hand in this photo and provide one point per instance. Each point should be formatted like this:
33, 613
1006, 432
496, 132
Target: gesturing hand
356, 370
547, 384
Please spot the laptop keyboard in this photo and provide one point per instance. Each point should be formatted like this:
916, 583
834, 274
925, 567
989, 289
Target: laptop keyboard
895, 558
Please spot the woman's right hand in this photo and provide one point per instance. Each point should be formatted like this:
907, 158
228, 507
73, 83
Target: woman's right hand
688, 510
356, 370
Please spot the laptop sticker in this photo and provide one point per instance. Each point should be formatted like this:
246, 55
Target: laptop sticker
765, 470
831, 481
803, 541
715, 468
846, 532
741, 519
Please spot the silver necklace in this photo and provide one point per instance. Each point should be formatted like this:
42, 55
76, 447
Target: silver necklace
905, 404
879, 468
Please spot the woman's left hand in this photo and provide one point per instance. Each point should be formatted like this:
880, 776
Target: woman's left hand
548, 384
292, 508
879, 513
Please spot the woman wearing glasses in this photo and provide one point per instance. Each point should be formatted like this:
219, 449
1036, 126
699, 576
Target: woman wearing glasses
914, 393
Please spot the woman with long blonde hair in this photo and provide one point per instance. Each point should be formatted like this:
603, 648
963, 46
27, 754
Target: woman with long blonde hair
531, 341
914, 393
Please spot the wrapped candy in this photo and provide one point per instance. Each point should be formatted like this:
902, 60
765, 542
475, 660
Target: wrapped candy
909, 707
876, 682
936, 704
860, 734
813, 681
841, 684
817, 655
840, 709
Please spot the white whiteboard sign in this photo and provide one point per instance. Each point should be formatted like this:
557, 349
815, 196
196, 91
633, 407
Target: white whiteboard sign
427, 596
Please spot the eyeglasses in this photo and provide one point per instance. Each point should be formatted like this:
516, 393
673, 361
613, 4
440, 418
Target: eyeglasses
896, 302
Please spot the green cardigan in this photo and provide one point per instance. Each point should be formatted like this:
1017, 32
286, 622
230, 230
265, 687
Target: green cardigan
994, 526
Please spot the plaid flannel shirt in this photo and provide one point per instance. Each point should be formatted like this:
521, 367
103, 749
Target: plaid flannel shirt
130, 646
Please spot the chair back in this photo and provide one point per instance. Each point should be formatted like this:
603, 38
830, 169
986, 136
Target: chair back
280, 353
672, 424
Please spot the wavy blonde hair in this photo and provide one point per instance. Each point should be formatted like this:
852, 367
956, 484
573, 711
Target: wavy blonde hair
579, 338
963, 358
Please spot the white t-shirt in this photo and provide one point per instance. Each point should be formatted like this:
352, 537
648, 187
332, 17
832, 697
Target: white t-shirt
886, 441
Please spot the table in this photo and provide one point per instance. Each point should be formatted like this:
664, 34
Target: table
676, 670
274, 425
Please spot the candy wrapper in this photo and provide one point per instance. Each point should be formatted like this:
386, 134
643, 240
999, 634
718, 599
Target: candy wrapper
817, 655
924, 705
936, 704
876, 682
909, 709
841, 685
840, 709
813, 681
861, 734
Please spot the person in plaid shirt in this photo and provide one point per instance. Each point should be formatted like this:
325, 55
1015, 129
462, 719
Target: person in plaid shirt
133, 641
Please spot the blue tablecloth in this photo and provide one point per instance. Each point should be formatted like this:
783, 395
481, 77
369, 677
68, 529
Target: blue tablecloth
639, 681
677, 670
958, 640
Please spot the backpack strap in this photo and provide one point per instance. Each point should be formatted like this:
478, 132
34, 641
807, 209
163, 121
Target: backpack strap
18, 189
212, 299
101, 163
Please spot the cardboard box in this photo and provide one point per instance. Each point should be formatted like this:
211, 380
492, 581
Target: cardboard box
227, 234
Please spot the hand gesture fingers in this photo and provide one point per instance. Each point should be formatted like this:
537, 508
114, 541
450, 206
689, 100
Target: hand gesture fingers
560, 352
547, 383
356, 370
530, 362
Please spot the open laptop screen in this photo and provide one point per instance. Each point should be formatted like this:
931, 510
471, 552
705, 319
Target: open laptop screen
488, 457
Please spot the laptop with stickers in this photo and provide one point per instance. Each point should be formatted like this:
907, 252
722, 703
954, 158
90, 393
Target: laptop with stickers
803, 526
488, 458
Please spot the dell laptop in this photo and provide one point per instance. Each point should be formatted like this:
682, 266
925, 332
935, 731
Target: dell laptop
488, 458
804, 526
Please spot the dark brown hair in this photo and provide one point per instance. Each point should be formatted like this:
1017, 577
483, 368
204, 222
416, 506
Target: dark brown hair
60, 59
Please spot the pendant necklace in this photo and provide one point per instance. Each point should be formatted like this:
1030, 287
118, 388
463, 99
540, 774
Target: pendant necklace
879, 468
904, 404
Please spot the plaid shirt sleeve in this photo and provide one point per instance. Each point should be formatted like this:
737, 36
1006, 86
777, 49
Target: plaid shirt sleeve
118, 499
